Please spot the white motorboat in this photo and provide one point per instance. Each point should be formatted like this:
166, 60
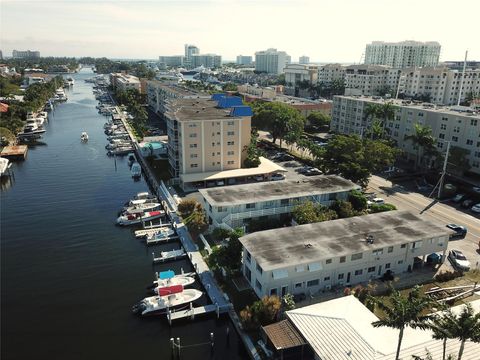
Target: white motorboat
4, 166
181, 279
35, 121
172, 297
144, 206
169, 255
137, 218
123, 150
163, 233
84, 136
136, 170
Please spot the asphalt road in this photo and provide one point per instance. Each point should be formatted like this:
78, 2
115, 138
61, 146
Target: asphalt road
439, 212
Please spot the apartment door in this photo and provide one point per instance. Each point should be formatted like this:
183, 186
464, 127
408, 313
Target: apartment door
284, 290
348, 278
379, 270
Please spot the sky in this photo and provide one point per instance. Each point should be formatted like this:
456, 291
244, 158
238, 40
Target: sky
324, 30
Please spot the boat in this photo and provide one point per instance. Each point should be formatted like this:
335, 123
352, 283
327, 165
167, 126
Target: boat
84, 136
168, 278
169, 255
35, 121
120, 151
136, 170
144, 196
4, 166
168, 298
31, 130
117, 144
70, 81
163, 233
139, 217
131, 159
143, 206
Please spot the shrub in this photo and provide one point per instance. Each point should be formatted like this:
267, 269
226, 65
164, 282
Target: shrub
376, 208
260, 313
358, 200
447, 275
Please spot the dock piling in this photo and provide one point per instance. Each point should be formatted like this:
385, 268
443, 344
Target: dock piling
178, 346
192, 310
211, 341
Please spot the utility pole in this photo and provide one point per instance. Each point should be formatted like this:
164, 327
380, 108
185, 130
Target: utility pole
461, 80
442, 178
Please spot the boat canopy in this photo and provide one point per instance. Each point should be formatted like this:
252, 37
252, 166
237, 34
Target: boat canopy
170, 290
163, 275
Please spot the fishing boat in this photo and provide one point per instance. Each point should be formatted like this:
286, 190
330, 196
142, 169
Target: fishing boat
168, 278
84, 136
168, 298
144, 206
163, 233
138, 217
169, 255
136, 170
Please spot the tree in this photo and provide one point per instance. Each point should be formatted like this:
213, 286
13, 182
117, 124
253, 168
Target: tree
229, 87
318, 119
253, 152
358, 200
440, 326
422, 139
229, 256
187, 207
310, 212
196, 221
376, 208
344, 209
262, 312
457, 160
404, 311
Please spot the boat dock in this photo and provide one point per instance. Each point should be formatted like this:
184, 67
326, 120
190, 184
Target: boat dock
151, 231
162, 240
15, 152
157, 260
191, 312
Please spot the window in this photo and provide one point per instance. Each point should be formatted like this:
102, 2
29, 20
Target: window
328, 261
230, 123
357, 256
193, 146
230, 162
371, 269
340, 276
326, 278
193, 156
377, 252
259, 269
193, 165
390, 249
455, 138
213, 154
230, 142
400, 262
473, 122
250, 206
358, 272
443, 127
284, 202
312, 283
387, 266
249, 256
230, 152
441, 136
403, 246
469, 142
230, 133
258, 285
273, 291
193, 135
192, 125
298, 285
342, 259
221, 209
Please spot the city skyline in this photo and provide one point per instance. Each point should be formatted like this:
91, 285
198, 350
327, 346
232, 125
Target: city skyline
148, 29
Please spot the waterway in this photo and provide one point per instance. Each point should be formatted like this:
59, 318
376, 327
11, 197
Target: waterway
69, 276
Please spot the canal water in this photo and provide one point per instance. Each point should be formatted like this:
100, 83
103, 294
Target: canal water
69, 276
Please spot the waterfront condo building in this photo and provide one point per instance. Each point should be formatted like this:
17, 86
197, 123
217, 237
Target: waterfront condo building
270, 61
309, 258
171, 61
403, 54
235, 206
190, 50
124, 81
27, 54
206, 60
244, 60
458, 124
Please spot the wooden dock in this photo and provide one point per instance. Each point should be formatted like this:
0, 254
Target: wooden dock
151, 231
15, 152
195, 311
163, 240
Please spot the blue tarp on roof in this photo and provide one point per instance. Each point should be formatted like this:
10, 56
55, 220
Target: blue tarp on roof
217, 97
229, 101
243, 110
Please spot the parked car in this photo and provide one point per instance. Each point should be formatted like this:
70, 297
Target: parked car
285, 157
457, 198
459, 231
467, 203
476, 208
476, 189
304, 169
276, 177
312, 172
459, 260
378, 201
259, 178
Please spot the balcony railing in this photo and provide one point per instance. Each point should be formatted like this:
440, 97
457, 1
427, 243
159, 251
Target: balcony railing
257, 213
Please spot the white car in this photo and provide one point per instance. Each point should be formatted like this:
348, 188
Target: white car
476, 208
276, 177
378, 201
459, 260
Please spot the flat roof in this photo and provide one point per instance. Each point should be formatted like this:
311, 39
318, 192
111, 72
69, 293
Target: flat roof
266, 167
268, 191
451, 109
197, 110
285, 247
342, 329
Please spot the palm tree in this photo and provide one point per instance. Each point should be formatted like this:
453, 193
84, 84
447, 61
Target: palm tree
465, 326
386, 112
441, 328
401, 312
422, 139
370, 112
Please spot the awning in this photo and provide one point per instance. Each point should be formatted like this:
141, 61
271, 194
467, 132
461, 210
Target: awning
279, 274
283, 335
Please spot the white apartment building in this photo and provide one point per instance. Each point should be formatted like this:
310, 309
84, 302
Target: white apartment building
439, 84
206, 136
304, 60
190, 50
370, 80
297, 73
270, 61
207, 60
402, 54
314, 257
234, 206
244, 60
459, 125
124, 81
172, 61
159, 93
330, 72
27, 54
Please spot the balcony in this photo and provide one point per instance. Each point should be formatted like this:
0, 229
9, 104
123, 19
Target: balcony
257, 213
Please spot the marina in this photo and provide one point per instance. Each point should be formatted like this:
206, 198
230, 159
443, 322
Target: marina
92, 257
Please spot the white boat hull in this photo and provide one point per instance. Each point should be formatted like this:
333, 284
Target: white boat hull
157, 305
176, 280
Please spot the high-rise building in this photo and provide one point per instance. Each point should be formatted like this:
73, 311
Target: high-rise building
244, 60
304, 60
16, 54
331, 72
1, 55
189, 51
206, 60
458, 125
371, 80
173, 61
403, 54
270, 61
296, 75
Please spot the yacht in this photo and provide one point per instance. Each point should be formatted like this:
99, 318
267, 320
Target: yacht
4, 166
84, 136
143, 206
168, 298
136, 170
31, 130
70, 81
139, 217
184, 280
